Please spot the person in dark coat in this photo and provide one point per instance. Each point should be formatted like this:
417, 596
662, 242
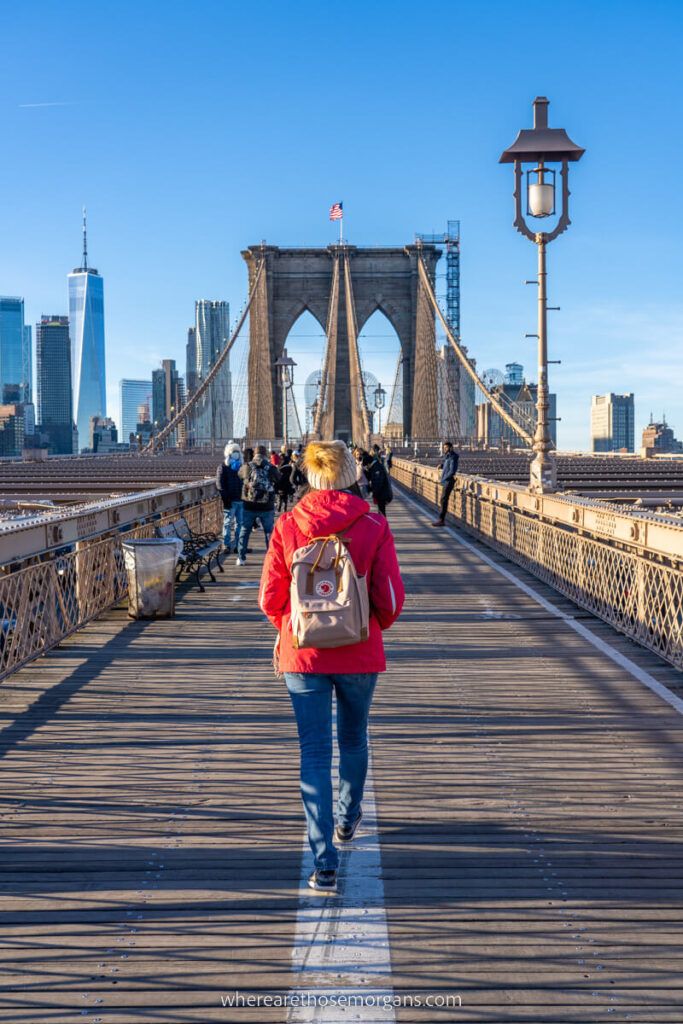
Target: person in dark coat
284, 487
298, 477
449, 469
230, 488
259, 480
378, 481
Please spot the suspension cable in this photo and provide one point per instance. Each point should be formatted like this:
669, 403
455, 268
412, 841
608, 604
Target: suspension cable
330, 331
354, 352
161, 437
504, 415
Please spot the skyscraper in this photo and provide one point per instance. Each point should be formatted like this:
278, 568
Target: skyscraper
86, 313
103, 434
213, 420
613, 423
15, 347
658, 439
191, 362
12, 429
167, 392
134, 393
53, 372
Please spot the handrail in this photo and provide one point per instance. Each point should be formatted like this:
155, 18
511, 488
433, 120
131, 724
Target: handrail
36, 535
625, 567
61, 575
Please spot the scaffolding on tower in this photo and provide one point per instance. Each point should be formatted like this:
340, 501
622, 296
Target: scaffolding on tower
450, 242
457, 416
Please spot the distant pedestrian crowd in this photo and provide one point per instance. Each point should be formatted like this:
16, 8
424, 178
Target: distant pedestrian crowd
255, 483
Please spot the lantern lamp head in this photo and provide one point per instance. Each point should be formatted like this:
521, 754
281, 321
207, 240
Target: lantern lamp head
540, 146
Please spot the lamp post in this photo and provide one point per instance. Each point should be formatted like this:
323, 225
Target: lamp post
286, 365
380, 399
541, 146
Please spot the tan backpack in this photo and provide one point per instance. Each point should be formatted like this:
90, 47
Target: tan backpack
329, 601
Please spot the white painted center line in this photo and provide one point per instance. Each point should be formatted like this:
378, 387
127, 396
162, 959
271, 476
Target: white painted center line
341, 950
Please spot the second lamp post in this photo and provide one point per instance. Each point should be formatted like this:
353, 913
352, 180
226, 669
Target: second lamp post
540, 146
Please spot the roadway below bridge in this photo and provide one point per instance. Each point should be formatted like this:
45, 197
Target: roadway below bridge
521, 855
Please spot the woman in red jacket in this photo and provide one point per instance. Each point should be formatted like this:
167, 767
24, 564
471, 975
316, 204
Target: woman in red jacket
332, 507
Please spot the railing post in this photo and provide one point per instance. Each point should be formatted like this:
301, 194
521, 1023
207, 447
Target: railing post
643, 627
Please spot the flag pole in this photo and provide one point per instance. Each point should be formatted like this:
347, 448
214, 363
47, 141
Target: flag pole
341, 225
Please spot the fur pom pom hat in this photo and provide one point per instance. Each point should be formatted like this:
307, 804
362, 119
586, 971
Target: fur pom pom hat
329, 466
232, 451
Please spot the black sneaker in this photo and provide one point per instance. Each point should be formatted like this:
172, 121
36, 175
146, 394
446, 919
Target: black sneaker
323, 881
345, 833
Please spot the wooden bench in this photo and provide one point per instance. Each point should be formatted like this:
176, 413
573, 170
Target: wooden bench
198, 549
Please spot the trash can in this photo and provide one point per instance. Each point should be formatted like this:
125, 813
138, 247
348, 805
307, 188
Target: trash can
151, 567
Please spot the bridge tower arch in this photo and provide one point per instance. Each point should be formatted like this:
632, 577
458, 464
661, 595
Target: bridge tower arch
342, 286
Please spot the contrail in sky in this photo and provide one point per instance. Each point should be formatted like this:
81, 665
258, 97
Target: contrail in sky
57, 103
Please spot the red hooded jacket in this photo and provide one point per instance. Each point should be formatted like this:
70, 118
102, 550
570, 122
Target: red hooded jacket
371, 546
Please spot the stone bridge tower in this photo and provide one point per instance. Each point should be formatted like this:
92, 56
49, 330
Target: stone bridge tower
341, 286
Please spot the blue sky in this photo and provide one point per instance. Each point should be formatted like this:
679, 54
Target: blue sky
191, 131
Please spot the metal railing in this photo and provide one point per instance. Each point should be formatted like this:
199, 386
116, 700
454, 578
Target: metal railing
60, 571
624, 566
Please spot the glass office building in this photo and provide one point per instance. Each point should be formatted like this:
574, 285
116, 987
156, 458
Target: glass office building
86, 316
213, 420
15, 349
134, 393
27, 360
613, 423
53, 370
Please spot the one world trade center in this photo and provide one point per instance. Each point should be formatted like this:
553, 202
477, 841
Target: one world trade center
86, 326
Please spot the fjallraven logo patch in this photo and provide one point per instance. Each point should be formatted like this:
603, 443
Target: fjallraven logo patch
324, 588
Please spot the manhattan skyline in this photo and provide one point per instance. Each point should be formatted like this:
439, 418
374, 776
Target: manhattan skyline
403, 154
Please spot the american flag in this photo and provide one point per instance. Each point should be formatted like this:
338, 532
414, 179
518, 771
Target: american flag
336, 211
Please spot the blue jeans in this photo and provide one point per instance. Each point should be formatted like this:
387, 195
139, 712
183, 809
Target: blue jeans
311, 696
232, 515
267, 521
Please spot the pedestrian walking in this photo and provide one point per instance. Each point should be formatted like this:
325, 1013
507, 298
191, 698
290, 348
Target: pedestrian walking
378, 481
388, 458
230, 488
247, 457
259, 484
361, 478
298, 477
330, 553
449, 469
284, 487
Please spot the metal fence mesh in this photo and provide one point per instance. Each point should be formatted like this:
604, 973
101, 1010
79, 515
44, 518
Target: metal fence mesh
42, 604
640, 597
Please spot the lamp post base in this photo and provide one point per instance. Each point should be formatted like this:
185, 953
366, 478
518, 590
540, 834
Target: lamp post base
542, 474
